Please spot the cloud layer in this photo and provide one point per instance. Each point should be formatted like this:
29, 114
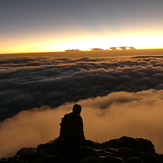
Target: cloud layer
32, 82
117, 114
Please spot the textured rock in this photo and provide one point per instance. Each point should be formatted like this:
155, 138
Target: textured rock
122, 150
137, 144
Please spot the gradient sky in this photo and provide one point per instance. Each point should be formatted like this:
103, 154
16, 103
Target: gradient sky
56, 25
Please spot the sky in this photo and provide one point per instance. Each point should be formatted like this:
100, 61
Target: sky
39, 25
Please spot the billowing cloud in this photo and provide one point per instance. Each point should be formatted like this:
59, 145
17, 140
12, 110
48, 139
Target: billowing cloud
118, 114
32, 82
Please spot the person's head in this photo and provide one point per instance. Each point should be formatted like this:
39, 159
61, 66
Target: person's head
76, 109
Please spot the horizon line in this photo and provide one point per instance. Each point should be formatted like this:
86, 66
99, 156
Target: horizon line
78, 50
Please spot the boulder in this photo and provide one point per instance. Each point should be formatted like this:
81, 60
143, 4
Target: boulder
122, 150
137, 144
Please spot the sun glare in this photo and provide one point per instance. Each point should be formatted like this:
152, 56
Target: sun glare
139, 42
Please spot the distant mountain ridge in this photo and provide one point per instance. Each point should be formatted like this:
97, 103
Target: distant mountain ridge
122, 150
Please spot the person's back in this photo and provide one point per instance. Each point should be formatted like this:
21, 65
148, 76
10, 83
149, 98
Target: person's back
72, 127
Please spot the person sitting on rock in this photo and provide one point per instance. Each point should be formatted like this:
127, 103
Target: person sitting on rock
72, 127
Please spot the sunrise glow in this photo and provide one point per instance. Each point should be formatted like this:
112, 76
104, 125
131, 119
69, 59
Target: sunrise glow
57, 26
85, 43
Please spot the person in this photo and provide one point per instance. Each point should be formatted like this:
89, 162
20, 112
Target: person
71, 127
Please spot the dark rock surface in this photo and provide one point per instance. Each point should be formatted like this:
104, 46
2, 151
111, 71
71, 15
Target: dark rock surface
122, 150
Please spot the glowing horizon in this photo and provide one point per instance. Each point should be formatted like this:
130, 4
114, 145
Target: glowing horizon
56, 26
84, 43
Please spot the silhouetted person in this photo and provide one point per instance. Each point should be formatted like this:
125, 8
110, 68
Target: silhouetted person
72, 127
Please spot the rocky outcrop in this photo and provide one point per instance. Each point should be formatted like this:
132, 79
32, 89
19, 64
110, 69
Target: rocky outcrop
122, 150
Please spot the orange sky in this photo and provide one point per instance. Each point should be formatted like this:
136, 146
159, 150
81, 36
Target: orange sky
56, 26
82, 42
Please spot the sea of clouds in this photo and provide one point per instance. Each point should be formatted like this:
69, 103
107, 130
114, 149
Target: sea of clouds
119, 96
32, 82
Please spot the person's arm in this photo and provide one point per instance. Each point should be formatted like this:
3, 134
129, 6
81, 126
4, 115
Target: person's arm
82, 129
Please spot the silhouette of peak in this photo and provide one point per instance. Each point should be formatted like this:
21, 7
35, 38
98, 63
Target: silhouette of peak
122, 150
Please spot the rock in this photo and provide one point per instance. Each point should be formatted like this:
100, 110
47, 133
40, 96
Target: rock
137, 144
133, 160
25, 151
147, 145
122, 150
110, 159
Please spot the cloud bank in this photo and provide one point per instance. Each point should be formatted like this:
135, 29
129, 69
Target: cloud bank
33, 82
136, 114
